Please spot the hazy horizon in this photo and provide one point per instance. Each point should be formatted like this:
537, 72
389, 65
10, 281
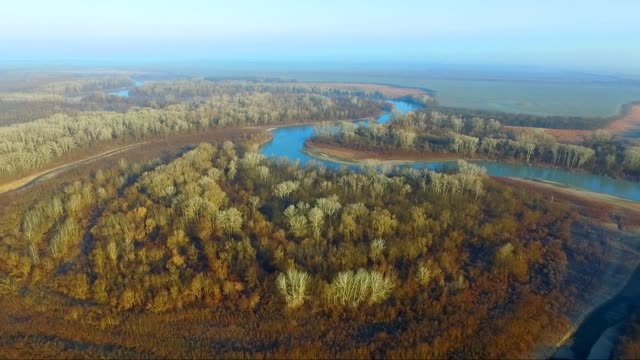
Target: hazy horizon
578, 36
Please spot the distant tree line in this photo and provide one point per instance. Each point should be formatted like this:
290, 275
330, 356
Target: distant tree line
160, 93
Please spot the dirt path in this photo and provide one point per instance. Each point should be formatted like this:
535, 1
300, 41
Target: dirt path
49, 173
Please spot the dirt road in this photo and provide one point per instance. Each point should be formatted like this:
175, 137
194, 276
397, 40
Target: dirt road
49, 173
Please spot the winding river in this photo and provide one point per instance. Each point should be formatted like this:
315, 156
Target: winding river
288, 142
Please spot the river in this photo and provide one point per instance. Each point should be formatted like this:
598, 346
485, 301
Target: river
288, 142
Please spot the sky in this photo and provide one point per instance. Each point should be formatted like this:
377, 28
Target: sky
586, 34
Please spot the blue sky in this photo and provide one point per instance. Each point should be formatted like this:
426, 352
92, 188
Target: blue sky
587, 34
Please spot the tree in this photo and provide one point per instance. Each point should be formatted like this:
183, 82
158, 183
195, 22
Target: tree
382, 223
632, 157
406, 138
488, 146
347, 130
456, 123
527, 143
376, 248
427, 272
229, 220
285, 188
329, 205
293, 287
353, 289
316, 219
66, 235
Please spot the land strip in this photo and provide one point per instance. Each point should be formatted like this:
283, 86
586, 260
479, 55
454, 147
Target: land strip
628, 122
390, 91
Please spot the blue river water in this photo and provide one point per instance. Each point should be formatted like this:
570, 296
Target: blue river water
288, 142
125, 92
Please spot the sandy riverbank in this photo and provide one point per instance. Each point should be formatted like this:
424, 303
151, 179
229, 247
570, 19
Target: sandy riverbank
354, 156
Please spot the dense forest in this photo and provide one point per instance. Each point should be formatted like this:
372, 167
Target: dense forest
81, 94
37, 143
431, 131
158, 93
409, 263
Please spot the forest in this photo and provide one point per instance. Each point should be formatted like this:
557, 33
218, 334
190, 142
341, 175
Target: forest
35, 144
92, 93
418, 264
50, 95
434, 132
